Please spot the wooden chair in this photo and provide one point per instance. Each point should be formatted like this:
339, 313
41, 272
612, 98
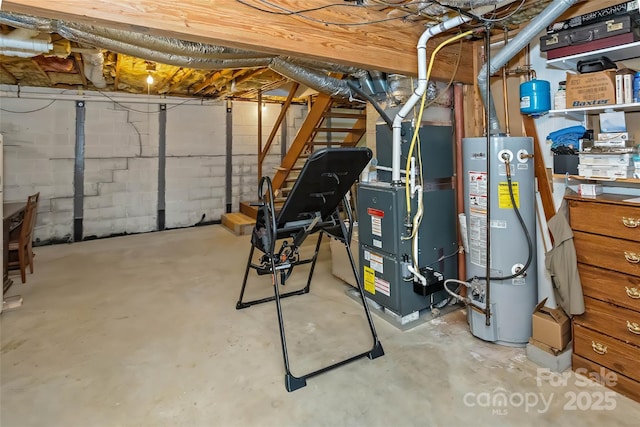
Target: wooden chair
22, 245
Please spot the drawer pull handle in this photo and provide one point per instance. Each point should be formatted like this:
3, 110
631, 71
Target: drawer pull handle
630, 222
632, 292
633, 327
632, 257
598, 348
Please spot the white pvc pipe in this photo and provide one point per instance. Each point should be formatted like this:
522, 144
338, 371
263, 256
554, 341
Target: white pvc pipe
20, 39
97, 97
417, 94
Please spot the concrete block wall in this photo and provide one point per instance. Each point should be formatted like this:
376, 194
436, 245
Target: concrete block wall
121, 162
245, 145
196, 158
121, 168
39, 144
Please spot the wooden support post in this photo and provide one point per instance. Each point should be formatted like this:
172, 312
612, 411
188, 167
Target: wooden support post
541, 172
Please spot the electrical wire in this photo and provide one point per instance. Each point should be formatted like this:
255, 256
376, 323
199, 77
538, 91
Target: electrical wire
420, 113
480, 18
29, 111
142, 111
443, 257
288, 12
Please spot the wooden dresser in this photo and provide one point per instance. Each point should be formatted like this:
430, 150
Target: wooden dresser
607, 239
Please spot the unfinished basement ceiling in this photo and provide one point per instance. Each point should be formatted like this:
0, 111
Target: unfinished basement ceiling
97, 58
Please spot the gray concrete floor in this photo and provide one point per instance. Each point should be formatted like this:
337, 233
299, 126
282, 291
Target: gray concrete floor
142, 331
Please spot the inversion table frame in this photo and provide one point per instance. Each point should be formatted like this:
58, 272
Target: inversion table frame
311, 207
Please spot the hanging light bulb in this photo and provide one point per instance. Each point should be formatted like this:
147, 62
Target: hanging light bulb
264, 106
151, 67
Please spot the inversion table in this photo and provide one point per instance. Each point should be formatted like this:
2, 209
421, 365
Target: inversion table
313, 206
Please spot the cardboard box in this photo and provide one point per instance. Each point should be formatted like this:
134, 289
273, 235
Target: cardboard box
591, 89
551, 327
613, 122
589, 190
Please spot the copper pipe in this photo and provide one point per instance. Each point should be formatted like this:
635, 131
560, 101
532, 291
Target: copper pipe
505, 98
458, 115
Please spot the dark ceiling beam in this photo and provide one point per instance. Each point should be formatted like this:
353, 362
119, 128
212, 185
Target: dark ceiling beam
385, 46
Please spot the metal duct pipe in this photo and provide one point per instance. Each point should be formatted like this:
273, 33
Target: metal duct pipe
311, 78
156, 56
193, 55
42, 25
546, 17
165, 44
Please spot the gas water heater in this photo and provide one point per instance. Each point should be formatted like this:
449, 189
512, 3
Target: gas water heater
511, 295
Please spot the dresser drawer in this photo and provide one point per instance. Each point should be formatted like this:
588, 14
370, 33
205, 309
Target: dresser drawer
606, 351
606, 219
606, 252
615, 321
610, 286
621, 384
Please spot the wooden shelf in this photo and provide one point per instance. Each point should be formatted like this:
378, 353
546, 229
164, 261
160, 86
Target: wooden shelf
616, 53
584, 178
597, 109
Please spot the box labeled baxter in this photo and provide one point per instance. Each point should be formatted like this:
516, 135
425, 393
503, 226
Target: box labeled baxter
591, 89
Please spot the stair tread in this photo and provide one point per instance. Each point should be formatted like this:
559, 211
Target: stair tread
342, 130
344, 115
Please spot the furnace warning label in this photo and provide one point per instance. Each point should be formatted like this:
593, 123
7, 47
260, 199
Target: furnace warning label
369, 280
376, 226
504, 198
478, 238
382, 286
477, 190
377, 263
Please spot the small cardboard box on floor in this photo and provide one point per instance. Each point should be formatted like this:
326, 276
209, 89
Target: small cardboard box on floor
548, 347
551, 326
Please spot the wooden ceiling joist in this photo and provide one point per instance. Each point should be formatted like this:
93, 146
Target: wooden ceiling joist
80, 68
11, 78
388, 46
116, 81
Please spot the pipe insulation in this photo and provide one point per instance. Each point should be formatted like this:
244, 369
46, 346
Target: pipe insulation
541, 21
93, 66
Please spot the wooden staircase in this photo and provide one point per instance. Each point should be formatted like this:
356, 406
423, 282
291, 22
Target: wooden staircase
326, 125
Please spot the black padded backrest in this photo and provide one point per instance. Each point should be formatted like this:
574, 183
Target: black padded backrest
324, 180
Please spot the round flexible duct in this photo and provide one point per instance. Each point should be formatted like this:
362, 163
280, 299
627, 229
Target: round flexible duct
192, 55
